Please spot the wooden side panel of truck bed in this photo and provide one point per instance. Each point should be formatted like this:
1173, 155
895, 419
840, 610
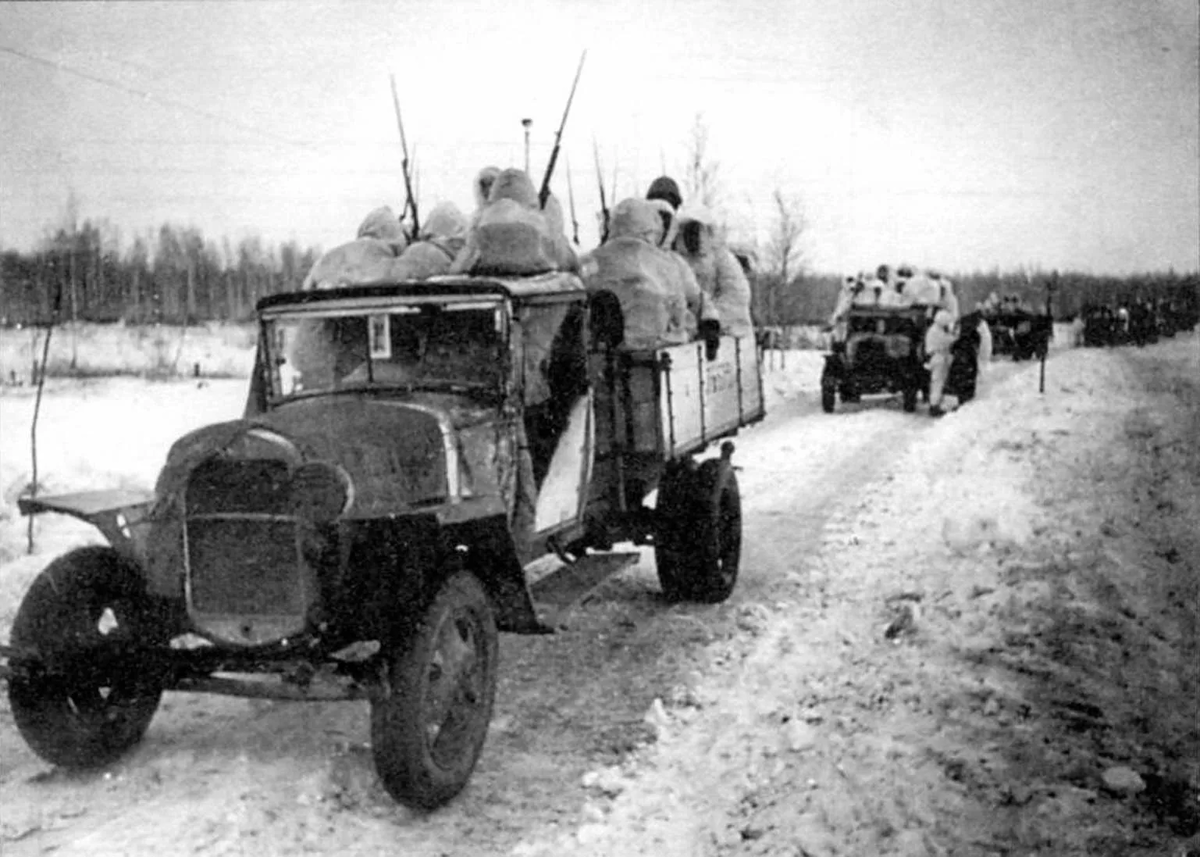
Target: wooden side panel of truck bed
673, 401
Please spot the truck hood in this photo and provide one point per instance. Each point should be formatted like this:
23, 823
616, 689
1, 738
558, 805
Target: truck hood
396, 454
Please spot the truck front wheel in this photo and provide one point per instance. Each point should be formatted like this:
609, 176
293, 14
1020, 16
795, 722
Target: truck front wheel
699, 539
83, 698
430, 716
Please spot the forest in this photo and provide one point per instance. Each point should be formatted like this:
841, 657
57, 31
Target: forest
175, 276
83, 272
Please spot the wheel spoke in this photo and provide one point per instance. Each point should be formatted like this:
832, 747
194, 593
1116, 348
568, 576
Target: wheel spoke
455, 676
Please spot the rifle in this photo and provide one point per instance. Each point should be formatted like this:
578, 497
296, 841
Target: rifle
410, 199
603, 201
544, 193
571, 201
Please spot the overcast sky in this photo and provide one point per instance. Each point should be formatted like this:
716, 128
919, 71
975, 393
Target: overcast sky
959, 134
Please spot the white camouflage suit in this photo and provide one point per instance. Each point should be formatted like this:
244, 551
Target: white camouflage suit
938, 338
366, 259
718, 272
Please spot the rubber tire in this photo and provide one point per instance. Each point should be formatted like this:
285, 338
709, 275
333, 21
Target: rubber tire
671, 515
700, 535
828, 396
967, 393
85, 720
406, 724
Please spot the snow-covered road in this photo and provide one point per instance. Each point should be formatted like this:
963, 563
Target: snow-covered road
785, 721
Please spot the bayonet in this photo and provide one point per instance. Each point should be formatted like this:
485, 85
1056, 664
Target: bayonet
571, 202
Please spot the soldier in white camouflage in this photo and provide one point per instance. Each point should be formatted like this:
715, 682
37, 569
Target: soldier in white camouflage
939, 337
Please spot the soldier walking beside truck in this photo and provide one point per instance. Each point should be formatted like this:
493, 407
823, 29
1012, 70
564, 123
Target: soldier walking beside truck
938, 339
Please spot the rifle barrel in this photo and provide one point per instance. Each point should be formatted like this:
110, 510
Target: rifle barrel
410, 200
544, 193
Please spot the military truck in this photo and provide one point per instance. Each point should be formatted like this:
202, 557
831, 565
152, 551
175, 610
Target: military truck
1021, 333
883, 352
369, 526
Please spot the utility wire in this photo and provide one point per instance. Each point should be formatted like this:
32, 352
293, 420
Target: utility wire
150, 96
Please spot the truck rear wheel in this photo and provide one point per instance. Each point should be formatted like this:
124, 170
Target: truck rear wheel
430, 716
699, 538
828, 394
87, 699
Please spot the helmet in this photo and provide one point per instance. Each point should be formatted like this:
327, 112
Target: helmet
664, 187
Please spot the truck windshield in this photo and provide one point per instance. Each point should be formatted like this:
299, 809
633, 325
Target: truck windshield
452, 347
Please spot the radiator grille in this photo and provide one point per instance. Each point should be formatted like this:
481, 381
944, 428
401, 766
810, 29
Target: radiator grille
245, 566
238, 485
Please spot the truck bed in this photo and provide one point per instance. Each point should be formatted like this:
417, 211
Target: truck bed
673, 401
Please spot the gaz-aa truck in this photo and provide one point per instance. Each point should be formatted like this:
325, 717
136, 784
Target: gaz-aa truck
365, 530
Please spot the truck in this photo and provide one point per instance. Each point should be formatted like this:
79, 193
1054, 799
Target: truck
883, 352
407, 454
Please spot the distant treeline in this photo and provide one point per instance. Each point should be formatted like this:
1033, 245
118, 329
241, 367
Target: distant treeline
811, 298
177, 276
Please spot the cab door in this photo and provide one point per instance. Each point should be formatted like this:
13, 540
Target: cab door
564, 490
558, 406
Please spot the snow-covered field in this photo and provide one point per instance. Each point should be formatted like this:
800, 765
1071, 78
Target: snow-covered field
211, 350
967, 636
92, 434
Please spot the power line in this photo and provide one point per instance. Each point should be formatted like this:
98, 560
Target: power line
221, 169
150, 96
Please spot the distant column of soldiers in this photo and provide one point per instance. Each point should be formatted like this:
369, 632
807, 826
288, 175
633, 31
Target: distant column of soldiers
1139, 321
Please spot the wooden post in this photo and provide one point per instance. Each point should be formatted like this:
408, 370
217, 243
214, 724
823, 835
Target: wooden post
1050, 320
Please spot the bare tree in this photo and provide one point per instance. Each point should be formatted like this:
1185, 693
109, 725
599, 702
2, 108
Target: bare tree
703, 185
784, 256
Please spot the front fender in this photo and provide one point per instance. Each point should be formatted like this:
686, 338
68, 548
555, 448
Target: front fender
389, 568
120, 514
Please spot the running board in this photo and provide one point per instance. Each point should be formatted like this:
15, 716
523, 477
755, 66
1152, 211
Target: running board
556, 594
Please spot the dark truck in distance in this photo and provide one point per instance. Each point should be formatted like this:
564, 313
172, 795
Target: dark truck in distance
1022, 333
367, 528
884, 352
